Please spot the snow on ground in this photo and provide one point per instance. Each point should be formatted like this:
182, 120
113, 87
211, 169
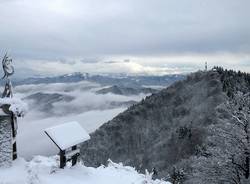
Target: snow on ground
44, 170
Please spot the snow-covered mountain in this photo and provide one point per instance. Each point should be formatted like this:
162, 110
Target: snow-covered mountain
90, 100
176, 130
120, 80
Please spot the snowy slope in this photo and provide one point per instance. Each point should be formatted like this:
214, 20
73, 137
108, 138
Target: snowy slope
44, 170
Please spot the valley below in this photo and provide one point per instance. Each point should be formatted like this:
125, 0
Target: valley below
91, 102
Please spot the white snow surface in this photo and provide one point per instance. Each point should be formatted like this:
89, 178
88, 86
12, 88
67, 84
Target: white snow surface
44, 170
68, 134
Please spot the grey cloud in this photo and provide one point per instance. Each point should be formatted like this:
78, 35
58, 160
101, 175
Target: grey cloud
50, 30
91, 60
110, 62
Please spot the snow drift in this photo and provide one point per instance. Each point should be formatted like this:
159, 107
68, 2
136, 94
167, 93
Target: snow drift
44, 170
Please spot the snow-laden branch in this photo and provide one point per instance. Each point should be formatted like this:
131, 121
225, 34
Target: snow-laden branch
17, 106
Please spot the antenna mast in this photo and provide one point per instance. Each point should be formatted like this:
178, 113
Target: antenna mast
205, 66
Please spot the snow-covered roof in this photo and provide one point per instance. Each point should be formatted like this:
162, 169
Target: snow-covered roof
67, 134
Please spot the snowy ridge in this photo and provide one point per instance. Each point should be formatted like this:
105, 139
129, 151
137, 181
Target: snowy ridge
44, 170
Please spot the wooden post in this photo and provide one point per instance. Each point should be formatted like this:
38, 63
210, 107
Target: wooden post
62, 159
74, 157
14, 132
14, 155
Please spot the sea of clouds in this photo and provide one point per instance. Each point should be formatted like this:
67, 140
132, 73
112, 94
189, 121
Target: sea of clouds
87, 107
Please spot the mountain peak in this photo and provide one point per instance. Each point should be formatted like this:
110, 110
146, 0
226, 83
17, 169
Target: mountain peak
166, 127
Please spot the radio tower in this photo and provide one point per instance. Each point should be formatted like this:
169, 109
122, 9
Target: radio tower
205, 66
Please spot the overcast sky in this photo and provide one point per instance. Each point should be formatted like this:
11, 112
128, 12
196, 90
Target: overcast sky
124, 36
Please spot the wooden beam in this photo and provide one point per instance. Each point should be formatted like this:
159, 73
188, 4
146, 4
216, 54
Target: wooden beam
53, 141
62, 159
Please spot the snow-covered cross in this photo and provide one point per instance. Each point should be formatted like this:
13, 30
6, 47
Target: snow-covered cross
10, 109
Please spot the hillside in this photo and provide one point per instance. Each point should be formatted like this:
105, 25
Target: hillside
166, 128
120, 90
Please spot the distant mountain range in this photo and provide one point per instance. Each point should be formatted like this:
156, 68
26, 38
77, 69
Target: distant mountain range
44, 102
119, 80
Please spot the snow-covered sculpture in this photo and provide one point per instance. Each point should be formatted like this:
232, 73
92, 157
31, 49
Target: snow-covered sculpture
10, 109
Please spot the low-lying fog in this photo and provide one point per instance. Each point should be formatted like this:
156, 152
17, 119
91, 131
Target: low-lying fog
52, 104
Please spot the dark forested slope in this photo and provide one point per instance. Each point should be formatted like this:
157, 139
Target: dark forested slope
168, 127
